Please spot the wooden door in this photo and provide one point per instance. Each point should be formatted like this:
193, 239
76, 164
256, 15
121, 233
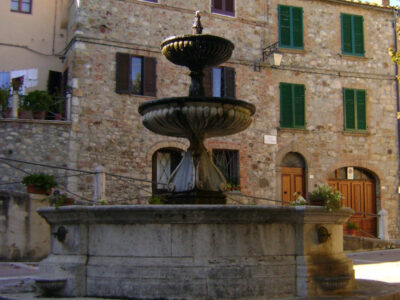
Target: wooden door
370, 221
360, 196
293, 180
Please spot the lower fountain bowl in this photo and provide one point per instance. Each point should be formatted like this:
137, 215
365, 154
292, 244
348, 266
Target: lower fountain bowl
204, 116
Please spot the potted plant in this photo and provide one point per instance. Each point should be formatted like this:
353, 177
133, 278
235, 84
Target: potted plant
5, 110
59, 199
57, 107
39, 183
326, 196
155, 200
299, 200
38, 102
351, 228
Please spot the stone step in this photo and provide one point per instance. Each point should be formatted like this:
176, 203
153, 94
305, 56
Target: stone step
357, 243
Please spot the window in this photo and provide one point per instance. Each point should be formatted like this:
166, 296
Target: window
355, 111
24, 6
352, 35
4, 80
135, 75
223, 7
228, 163
164, 163
219, 82
292, 105
290, 27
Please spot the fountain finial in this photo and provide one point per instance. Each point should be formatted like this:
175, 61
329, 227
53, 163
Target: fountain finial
197, 27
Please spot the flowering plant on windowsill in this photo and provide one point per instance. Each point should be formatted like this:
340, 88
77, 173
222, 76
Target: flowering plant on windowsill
233, 187
327, 196
299, 200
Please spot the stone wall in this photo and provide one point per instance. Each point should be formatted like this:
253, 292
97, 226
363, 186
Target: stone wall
107, 130
43, 142
24, 235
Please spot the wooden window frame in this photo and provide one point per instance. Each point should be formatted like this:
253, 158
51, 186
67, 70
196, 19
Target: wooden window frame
174, 152
228, 82
124, 75
19, 10
295, 32
294, 123
356, 110
234, 168
223, 11
355, 37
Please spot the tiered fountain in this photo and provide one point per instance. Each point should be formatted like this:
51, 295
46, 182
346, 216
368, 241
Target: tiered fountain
196, 117
196, 251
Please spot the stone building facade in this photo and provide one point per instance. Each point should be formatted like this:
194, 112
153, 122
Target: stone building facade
106, 127
32, 38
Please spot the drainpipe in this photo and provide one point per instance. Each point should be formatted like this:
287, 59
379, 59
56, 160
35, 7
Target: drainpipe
396, 15
54, 27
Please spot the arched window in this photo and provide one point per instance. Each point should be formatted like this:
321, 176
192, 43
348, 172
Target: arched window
164, 162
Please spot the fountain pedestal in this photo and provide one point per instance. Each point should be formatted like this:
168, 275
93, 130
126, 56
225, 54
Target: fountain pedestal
198, 252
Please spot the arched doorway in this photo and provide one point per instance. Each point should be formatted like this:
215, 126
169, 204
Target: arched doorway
293, 176
358, 188
164, 162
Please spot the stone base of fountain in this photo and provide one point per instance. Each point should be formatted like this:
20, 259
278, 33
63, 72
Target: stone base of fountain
196, 197
198, 252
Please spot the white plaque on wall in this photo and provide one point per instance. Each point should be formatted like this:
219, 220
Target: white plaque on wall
350, 173
270, 139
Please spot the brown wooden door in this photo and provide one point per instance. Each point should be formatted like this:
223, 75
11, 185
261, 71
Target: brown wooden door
360, 196
370, 220
292, 181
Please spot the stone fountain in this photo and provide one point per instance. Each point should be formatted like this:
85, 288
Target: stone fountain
196, 117
196, 251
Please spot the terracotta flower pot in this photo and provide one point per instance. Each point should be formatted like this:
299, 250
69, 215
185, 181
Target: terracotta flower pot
317, 202
58, 117
351, 231
21, 114
40, 115
31, 189
6, 113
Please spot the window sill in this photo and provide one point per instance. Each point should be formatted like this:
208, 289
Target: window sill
356, 133
35, 121
353, 57
21, 12
293, 130
222, 14
292, 50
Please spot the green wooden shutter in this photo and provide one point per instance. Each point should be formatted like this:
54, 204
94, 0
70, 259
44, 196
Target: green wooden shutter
284, 25
297, 27
361, 110
286, 96
347, 34
349, 108
358, 35
299, 105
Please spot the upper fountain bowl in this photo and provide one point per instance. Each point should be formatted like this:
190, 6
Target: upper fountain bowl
197, 51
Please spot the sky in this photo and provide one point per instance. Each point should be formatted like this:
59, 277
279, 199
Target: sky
395, 2
392, 2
